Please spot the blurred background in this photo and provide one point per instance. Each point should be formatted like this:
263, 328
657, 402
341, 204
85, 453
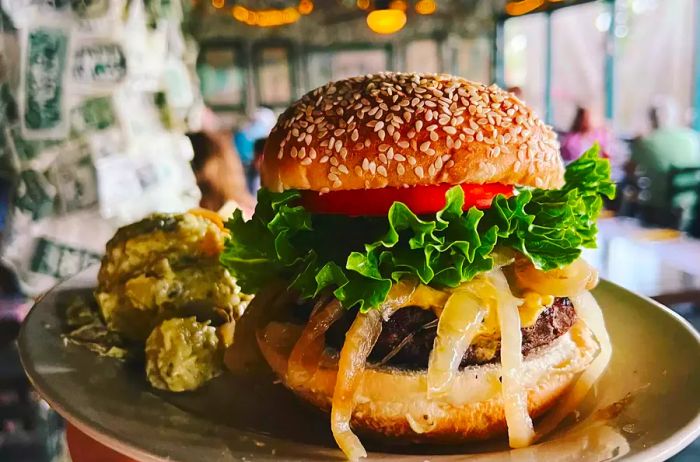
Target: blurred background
114, 109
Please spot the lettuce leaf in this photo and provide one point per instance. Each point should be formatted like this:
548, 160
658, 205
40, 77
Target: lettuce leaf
360, 258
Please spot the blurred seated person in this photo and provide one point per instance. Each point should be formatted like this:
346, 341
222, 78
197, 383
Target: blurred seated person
219, 171
668, 145
259, 148
259, 126
584, 132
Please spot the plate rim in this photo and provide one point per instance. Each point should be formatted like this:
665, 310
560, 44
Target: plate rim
663, 450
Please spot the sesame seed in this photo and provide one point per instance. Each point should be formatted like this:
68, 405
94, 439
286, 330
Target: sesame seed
399, 157
425, 146
419, 125
434, 136
334, 161
306, 161
373, 167
432, 127
390, 153
431, 171
418, 171
333, 177
343, 169
365, 164
338, 132
400, 169
382, 157
450, 130
355, 135
379, 126
429, 116
382, 171
324, 159
358, 170
293, 152
411, 160
381, 134
383, 147
403, 144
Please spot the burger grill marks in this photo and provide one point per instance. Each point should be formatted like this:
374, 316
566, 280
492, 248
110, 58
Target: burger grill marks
407, 337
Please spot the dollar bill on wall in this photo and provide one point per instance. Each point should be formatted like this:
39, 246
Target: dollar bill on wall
59, 260
97, 65
73, 174
34, 194
42, 92
93, 115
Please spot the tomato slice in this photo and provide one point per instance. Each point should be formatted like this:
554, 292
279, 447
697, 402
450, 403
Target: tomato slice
420, 199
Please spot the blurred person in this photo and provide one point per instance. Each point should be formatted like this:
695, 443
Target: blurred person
219, 172
517, 91
584, 132
668, 145
259, 147
259, 126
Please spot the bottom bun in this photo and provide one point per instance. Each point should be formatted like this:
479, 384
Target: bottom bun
394, 403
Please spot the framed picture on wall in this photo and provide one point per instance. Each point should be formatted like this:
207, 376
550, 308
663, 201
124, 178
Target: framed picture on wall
274, 74
343, 61
221, 67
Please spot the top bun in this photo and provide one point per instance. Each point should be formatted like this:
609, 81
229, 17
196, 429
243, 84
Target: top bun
402, 129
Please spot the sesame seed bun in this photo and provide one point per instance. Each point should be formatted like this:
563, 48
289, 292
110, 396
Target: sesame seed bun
393, 403
400, 130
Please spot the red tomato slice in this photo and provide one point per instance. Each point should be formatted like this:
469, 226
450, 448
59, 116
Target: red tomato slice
420, 199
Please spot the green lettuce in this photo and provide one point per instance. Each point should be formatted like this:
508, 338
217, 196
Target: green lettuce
359, 258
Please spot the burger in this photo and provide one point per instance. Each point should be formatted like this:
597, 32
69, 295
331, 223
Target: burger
416, 254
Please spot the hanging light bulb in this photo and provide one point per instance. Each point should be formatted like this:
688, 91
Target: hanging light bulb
385, 20
425, 6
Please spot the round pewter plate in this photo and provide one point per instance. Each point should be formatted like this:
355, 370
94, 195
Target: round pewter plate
646, 407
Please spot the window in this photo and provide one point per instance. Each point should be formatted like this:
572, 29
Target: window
525, 52
654, 60
222, 76
328, 65
473, 59
274, 76
578, 62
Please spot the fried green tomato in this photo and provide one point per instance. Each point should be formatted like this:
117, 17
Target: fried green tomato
205, 290
174, 237
163, 267
182, 354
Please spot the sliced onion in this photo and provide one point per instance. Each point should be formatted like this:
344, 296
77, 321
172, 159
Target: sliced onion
458, 324
306, 354
572, 279
359, 341
588, 310
520, 429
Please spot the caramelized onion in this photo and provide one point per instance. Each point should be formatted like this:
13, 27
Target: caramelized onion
306, 354
563, 282
359, 341
458, 324
588, 310
520, 430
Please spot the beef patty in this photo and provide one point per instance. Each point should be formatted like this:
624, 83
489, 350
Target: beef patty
416, 329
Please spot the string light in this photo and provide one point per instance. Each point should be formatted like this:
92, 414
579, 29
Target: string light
426, 7
363, 4
271, 17
218, 4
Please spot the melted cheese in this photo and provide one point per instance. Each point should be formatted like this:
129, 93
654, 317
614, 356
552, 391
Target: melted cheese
533, 305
